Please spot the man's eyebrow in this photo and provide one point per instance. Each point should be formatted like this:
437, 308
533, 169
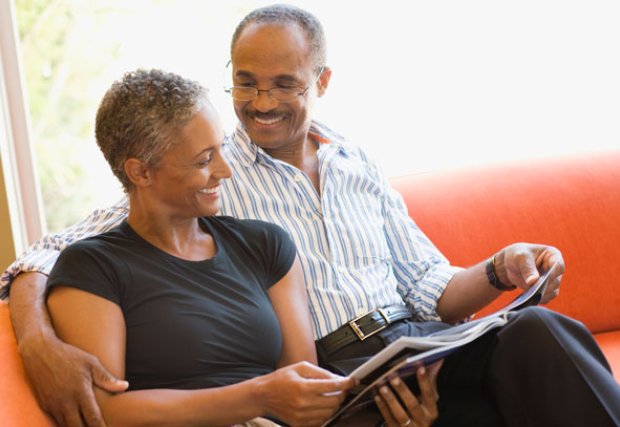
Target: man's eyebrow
249, 75
244, 74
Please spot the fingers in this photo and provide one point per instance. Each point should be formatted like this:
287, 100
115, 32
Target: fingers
523, 262
414, 409
105, 380
385, 411
428, 386
72, 419
323, 381
91, 414
407, 409
528, 272
308, 370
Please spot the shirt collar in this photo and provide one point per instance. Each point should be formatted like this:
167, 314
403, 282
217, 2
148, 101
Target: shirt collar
249, 153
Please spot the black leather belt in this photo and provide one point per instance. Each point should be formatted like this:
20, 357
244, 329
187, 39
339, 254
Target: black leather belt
363, 327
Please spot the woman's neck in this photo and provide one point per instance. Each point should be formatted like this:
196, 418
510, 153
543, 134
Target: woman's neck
183, 238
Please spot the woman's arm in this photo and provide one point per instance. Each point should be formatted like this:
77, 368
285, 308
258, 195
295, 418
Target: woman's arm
290, 303
96, 325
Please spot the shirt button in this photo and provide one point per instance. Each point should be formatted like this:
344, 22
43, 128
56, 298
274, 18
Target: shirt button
298, 178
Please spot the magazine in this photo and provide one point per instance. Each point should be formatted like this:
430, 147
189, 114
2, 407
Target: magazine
405, 355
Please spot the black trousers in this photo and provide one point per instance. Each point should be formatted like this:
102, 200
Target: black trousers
540, 369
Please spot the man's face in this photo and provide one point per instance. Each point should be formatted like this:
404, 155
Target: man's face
269, 56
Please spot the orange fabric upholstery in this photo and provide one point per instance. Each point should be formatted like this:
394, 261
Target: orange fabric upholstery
18, 406
572, 203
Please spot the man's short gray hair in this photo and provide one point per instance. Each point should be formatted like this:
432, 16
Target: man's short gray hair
286, 14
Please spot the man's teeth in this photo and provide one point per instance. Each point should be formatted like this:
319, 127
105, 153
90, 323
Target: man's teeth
268, 121
208, 190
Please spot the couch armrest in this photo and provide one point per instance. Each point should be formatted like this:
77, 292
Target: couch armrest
18, 406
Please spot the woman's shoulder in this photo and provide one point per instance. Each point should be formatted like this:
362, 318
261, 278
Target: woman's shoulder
104, 242
249, 229
245, 225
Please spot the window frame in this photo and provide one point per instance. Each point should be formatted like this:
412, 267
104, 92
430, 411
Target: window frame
16, 151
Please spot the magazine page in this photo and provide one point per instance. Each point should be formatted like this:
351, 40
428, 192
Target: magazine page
405, 355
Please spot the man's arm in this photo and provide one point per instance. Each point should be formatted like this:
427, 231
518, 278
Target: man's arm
519, 264
62, 375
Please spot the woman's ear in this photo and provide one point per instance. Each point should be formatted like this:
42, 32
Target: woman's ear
137, 172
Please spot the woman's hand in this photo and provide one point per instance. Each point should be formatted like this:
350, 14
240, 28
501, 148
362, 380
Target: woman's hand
303, 394
417, 411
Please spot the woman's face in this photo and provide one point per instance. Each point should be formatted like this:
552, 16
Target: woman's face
186, 182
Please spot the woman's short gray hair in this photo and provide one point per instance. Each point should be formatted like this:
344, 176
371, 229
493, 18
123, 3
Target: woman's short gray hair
141, 114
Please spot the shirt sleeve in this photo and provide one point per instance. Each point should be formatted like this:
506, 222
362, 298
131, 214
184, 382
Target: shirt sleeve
92, 267
421, 270
283, 253
42, 255
275, 251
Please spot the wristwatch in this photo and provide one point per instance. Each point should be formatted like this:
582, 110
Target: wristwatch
492, 276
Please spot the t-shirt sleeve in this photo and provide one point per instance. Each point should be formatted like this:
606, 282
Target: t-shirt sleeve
86, 265
277, 250
283, 255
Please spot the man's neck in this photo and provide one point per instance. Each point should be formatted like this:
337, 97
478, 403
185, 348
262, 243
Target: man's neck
303, 156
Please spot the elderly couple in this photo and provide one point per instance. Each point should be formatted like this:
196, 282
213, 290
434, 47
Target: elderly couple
221, 289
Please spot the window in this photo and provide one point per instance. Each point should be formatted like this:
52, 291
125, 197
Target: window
434, 84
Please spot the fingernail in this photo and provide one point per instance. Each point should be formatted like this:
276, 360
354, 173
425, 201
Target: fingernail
423, 370
395, 381
383, 390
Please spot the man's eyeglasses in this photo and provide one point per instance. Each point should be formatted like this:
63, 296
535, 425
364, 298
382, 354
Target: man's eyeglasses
280, 94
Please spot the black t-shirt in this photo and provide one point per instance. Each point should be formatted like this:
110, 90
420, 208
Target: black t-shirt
190, 324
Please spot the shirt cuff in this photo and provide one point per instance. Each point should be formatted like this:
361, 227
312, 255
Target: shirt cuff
423, 303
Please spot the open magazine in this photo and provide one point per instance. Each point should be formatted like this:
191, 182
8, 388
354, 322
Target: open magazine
405, 355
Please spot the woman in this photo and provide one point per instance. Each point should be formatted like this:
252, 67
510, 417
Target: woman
205, 316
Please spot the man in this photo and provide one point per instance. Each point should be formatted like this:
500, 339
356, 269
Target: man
359, 251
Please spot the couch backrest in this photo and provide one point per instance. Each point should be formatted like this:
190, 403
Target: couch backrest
572, 203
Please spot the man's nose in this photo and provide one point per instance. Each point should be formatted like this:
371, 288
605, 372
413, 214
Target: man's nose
264, 101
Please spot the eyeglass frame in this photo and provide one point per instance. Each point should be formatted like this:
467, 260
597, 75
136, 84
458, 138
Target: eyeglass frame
269, 93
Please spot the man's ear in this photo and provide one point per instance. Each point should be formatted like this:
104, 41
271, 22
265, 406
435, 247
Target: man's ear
137, 172
323, 81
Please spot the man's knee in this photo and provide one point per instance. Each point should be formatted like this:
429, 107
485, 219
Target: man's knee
540, 330
533, 321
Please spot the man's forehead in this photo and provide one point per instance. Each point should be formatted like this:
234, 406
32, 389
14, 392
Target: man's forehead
271, 37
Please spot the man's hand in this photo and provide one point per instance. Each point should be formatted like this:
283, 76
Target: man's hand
63, 378
520, 264
407, 409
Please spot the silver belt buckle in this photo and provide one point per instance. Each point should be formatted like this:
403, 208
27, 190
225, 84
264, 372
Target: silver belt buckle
358, 331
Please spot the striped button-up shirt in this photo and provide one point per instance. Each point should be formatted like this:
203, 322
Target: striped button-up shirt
358, 247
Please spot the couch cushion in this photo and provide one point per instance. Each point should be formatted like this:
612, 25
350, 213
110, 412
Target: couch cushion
21, 409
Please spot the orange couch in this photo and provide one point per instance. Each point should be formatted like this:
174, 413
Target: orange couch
572, 203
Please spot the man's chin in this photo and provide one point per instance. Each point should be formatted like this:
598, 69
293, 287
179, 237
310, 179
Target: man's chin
265, 140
